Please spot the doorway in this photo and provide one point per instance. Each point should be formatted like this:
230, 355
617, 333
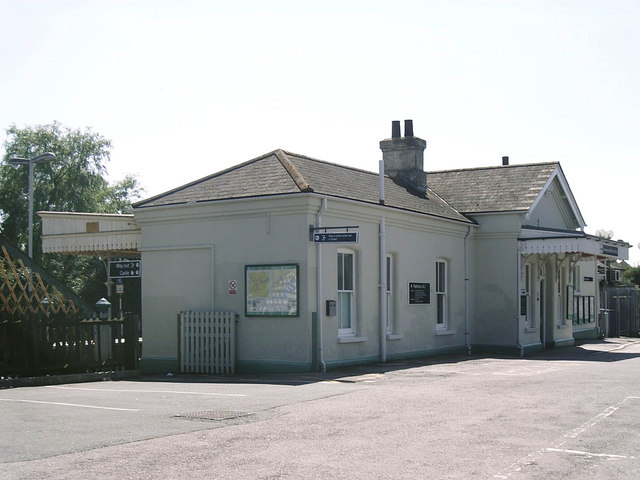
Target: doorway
541, 313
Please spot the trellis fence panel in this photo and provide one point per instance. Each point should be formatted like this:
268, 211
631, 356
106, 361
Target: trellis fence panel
207, 342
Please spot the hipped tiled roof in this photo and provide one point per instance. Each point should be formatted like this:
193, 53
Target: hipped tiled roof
450, 194
283, 173
509, 188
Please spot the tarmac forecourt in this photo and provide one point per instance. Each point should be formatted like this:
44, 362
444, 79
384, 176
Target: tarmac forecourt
568, 413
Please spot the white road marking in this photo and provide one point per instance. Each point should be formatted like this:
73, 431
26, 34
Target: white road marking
534, 456
69, 405
587, 454
594, 421
147, 391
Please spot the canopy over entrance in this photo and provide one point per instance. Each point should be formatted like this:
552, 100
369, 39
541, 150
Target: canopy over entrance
98, 234
537, 241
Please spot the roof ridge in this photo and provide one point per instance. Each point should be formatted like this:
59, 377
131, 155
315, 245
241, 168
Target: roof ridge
291, 169
338, 165
493, 167
442, 199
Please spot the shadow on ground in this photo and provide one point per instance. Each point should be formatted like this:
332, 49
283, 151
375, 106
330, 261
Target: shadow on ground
607, 350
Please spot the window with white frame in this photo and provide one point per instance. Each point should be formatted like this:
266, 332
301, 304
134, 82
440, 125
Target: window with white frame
442, 301
390, 305
525, 296
560, 291
346, 292
576, 300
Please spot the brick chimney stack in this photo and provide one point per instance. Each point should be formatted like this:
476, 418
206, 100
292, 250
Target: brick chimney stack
404, 157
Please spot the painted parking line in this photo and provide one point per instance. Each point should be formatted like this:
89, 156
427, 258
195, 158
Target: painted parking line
533, 457
17, 400
593, 421
117, 390
587, 454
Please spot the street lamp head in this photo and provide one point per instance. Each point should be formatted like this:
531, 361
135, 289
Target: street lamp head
42, 158
19, 161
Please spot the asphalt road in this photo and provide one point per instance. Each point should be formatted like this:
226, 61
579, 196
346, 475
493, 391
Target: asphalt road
570, 413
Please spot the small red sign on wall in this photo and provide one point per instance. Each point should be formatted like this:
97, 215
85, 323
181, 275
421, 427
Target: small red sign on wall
233, 287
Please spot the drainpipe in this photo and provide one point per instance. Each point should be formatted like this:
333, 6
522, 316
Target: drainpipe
323, 207
467, 309
383, 273
518, 300
605, 317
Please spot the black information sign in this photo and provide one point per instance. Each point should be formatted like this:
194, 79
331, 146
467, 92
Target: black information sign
124, 268
335, 237
609, 250
419, 293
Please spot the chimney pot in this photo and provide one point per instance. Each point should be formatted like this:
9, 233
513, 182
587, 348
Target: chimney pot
395, 129
408, 128
404, 158
505, 160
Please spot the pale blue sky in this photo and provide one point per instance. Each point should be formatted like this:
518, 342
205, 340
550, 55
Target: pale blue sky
186, 88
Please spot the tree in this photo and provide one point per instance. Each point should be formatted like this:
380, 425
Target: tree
631, 276
602, 233
74, 182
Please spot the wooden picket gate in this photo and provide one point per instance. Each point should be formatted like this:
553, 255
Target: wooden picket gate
207, 342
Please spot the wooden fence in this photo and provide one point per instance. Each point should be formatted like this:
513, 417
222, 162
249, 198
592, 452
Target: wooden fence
207, 342
26, 289
41, 347
623, 315
42, 326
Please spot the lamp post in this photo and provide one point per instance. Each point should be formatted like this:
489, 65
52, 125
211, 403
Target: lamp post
30, 162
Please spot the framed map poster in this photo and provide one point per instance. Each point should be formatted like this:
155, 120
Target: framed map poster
271, 290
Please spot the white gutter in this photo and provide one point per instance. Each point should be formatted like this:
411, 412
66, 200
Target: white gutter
323, 208
383, 273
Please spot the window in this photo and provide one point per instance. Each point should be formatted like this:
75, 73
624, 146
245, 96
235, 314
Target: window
561, 284
525, 296
346, 292
441, 294
390, 308
577, 300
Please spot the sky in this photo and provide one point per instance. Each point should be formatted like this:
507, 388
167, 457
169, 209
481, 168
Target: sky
185, 89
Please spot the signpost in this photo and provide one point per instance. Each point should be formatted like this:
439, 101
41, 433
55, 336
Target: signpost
124, 268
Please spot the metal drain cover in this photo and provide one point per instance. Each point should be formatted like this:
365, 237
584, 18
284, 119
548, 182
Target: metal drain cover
213, 415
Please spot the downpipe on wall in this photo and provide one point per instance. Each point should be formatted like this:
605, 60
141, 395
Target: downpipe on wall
383, 291
467, 289
383, 271
321, 210
518, 300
